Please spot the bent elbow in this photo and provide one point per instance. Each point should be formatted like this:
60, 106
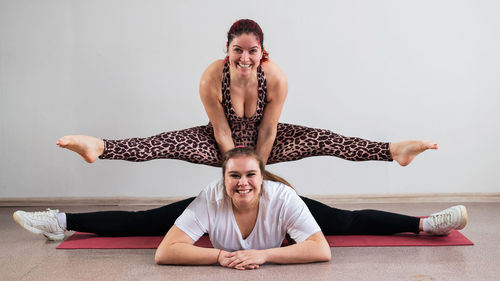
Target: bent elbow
324, 253
161, 257
158, 259
327, 256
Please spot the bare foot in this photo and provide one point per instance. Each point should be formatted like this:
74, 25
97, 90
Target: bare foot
88, 147
404, 151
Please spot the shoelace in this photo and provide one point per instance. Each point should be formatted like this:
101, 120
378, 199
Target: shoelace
441, 219
45, 213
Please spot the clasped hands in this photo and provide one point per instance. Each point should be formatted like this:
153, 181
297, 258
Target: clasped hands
245, 259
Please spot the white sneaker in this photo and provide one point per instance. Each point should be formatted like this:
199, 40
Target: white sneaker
442, 223
40, 223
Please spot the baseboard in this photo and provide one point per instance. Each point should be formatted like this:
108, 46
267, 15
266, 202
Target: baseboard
327, 199
410, 198
88, 201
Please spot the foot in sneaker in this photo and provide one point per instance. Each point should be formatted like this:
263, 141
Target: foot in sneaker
442, 223
40, 223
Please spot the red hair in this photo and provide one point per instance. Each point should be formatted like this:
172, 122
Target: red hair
246, 26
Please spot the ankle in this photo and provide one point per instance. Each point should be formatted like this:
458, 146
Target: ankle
61, 220
101, 147
392, 149
426, 226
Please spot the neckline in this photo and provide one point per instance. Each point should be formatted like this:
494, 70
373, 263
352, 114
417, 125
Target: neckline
235, 223
259, 86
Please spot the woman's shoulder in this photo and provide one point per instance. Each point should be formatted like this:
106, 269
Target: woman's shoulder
214, 191
273, 71
278, 190
275, 77
214, 70
211, 78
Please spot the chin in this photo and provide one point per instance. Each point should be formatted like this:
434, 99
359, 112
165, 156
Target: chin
245, 73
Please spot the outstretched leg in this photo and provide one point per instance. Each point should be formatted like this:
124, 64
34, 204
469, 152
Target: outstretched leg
155, 222
294, 142
334, 221
195, 145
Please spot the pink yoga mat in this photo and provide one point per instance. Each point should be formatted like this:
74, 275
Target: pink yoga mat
81, 240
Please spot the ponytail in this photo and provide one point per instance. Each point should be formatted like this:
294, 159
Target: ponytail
272, 177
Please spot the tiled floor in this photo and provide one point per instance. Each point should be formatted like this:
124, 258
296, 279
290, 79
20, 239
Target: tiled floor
25, 256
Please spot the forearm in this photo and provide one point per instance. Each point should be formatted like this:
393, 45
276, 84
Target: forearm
182, 253
224, 141
265, 142
304, 252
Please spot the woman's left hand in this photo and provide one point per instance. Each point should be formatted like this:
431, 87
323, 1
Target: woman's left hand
247, 259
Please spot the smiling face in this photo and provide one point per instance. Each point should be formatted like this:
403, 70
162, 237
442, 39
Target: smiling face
243, 181
245, 53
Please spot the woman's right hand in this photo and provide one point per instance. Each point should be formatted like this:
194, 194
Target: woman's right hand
240, 259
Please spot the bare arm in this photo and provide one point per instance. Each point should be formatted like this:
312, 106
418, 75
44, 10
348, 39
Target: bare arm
277, 90
313, 249
210, 94
177, 248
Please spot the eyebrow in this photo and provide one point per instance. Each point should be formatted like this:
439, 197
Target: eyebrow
237, 172
238, 46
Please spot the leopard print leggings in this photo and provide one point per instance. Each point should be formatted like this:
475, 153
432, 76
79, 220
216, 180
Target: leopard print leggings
198, 145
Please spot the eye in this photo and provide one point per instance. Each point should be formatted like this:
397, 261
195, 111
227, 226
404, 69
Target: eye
254, 51
237, 50
234, 176
251, 174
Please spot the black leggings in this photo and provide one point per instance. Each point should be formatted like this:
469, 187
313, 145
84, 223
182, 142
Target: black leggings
156, 222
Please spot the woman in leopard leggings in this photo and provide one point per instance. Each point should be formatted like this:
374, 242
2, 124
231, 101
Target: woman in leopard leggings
243, 96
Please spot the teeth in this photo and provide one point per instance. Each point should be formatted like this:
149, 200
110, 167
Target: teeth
244, 65
243, 191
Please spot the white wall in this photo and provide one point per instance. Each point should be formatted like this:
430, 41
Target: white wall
382, 70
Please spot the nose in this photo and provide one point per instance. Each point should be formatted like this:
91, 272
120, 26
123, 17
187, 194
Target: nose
244, 56
243, 181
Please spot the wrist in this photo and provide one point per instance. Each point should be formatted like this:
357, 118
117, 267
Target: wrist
266, 254
218, 256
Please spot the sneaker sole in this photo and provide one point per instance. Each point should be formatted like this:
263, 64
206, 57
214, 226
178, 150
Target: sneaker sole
54, 237
463, 212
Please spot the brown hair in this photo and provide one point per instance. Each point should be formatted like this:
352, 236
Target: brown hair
247, 151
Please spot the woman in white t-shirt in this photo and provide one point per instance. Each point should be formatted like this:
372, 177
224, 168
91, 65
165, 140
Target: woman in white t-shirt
247, 219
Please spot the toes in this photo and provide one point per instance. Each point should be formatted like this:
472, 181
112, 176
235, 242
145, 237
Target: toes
430, 145
62, 142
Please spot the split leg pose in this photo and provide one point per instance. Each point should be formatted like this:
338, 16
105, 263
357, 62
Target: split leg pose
158, 221
332, 221
243, 96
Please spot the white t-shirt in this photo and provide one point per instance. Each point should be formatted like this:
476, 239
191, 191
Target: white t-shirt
281, 211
